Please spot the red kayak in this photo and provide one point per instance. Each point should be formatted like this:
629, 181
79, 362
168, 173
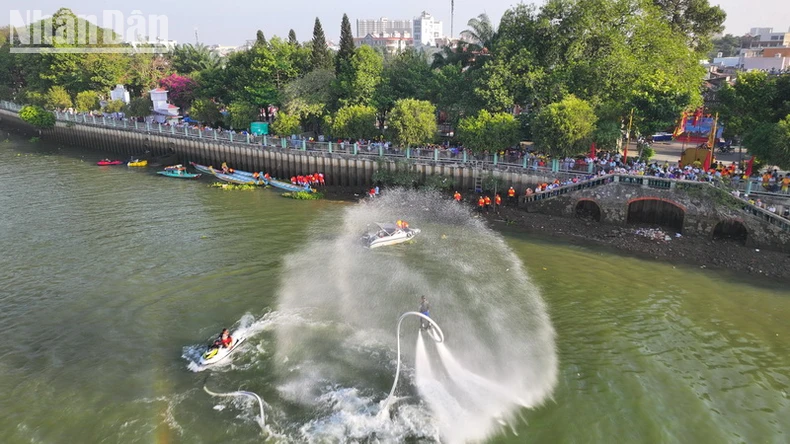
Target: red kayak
110, 162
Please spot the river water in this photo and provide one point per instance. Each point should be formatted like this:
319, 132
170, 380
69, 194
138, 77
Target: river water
114, 278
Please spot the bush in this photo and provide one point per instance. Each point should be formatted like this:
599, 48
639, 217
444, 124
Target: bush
285, 124
114, 106
87, 101
647, 153
58, 98
139, 107
37, 116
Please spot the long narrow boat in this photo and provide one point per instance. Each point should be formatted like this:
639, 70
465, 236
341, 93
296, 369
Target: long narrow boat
106, 162
288, 186
204, 169
179, 174
237, 177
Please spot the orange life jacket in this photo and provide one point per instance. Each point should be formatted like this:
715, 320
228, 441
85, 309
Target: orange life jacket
511, 192
498, 199
488, 200
481, 202
457, 196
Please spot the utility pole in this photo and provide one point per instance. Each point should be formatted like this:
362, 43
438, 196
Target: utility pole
452, 17
628, 136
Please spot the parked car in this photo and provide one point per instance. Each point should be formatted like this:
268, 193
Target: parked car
662, 137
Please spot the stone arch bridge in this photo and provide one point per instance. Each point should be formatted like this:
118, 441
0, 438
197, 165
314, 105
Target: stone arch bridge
690, 208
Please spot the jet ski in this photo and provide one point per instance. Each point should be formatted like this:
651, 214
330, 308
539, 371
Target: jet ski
215, 353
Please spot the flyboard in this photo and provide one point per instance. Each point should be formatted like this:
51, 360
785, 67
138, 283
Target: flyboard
215, 354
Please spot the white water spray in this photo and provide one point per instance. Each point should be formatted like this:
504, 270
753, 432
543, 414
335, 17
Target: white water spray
477, 286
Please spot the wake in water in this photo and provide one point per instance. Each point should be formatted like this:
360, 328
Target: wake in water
492, 315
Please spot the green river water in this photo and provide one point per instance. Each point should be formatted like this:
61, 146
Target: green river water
113, 278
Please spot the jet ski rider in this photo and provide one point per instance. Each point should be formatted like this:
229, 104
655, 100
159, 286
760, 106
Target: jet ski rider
425, 308
224, 339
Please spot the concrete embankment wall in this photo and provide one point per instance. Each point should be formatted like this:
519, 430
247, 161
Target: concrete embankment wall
342, 170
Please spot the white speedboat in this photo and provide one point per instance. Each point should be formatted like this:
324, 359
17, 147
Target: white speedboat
388, 234
215, 354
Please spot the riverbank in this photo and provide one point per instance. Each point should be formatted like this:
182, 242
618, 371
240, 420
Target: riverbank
646, 243
641, 242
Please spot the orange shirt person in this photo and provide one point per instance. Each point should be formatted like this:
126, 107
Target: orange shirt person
457, 196
511, 192
498, 200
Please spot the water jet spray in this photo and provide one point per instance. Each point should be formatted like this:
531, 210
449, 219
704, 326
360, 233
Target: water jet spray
438, 340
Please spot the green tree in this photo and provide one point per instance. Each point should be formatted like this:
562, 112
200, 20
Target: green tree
770, 142
564, 128
139, 107
408, 75
412, 122
309, 97
358, 85
241, 114
606, 134
206, 111
251, 77
188, 58
481, 31
285, 124
260, 39
489, 132
320, 58
114, 106
58, 98
728, 45
746, 104
292, 38
354, 122
37, 116
696, 20
346, 51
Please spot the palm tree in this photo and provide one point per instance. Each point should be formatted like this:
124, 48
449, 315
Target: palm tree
189, 58
481, 31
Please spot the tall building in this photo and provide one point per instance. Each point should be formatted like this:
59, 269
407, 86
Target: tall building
390, 44
426, 30
382, 26
767, 38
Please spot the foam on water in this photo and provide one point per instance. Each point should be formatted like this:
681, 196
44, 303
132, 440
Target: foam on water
494, 319
248, 327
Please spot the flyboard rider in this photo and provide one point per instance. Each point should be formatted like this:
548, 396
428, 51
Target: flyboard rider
425, 308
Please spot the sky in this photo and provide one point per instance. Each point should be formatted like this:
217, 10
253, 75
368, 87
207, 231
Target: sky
232, 23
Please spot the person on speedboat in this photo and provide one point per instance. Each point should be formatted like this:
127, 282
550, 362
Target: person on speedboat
224, 339
425, 308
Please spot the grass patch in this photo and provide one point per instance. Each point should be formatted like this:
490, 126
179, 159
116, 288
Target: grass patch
34, 139
304, 195
232, 186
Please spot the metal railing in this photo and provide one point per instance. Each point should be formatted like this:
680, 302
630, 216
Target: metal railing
448, 156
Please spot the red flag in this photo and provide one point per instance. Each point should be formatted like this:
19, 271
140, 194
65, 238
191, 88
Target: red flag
592, 151
681, 128
749, 167
697, 115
